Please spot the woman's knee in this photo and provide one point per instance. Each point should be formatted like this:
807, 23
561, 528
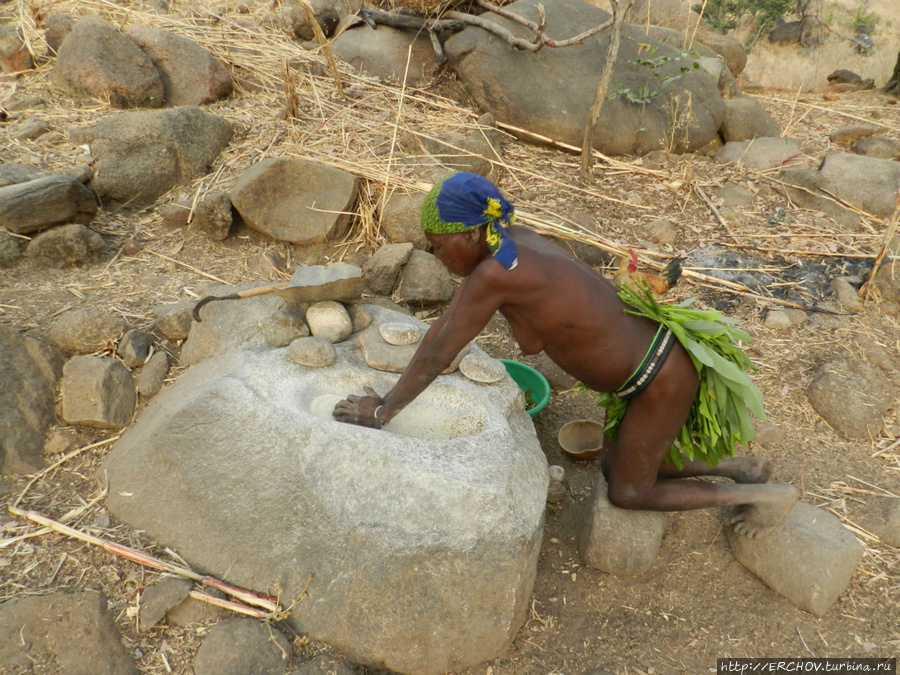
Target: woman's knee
625, 496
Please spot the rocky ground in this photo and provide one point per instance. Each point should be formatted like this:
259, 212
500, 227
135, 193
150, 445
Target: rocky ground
697, 603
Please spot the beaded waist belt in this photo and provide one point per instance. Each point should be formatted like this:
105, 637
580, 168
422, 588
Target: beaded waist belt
653, 360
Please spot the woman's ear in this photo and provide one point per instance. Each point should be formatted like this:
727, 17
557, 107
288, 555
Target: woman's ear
473, 236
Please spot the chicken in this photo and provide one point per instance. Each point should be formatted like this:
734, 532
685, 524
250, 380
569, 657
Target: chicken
659, 284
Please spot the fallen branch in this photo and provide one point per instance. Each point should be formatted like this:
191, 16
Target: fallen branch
249, 597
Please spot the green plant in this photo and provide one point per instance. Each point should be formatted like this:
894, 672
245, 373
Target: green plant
647, 58
725, 14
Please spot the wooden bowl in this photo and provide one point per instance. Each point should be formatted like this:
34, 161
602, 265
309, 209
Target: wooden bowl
582, 439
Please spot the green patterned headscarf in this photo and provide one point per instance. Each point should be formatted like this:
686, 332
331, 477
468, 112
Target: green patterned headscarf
464, 201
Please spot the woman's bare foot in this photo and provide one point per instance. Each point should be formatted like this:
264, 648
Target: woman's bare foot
758, 518
750, 470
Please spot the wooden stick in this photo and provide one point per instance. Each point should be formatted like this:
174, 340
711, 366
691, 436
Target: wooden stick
190, 267
250, 597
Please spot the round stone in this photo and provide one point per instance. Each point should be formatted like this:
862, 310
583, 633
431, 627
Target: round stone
329, 320
313, 352
399, 333
282, 328
482, 368
557, 473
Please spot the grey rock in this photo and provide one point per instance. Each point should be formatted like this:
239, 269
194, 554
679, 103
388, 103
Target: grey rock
777, 319
734, 195
767, 433
400, 333
882, 518
323, 664
313, 352
83, 331
325, 12
174, 320
242, 646
190, 75
382, 269
159, 598
557, 473
142, 155
388, 53
134, 348
97, 61
425, 280
480, 367
658, 231
192, 611
56, 27
31, 129
760, 153
10, 249
213, 215
230, 324
887, 278
296, 201
879, 147
503, 81
74, 631
809, 558
401, 219
619, 541
867, 183
329, 320
388, 519
65, 246
359, 316
43, 202
282, 328
153, 374
12, 173
29, 371
97, 392
847, 295
875, 353
746, 119
852, 134
851, 395
175, 215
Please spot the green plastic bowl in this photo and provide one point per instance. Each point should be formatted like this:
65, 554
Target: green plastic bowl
532, 383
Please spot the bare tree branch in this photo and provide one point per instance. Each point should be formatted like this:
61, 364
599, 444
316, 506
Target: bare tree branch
618, 13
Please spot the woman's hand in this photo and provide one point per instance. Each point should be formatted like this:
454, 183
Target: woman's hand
360, 409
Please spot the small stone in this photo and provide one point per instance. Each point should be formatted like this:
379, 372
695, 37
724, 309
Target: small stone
797, 316
159, 598
329, 320
153, 375
482, 368
313, 352
174, 319
557, 473
846, 294
83, 331
768, 434
556, 492
31, 128
399, 333
282, 328
360, 317
134, 348
97, 392
777, 319
60, 441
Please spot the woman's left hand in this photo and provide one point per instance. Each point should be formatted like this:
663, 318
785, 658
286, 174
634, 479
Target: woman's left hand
359, 409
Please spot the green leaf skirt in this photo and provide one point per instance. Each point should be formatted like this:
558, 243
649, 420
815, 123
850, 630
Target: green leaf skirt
720, 417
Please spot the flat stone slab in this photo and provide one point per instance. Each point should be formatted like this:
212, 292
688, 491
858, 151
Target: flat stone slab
809, 558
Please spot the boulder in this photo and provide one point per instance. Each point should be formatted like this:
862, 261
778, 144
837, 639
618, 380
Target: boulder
425, 280
237, 646
142, 155
851, 395
66, 245
296, 201
97, 392
760, 153
382, 269
12, 173
38, 204
388, 53
400, 219
423, 537
96, 60
745, 119
29, 371
83, 331
878, 147
661, 102
190, 75
73, 631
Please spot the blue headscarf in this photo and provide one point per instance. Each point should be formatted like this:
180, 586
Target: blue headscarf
464, 201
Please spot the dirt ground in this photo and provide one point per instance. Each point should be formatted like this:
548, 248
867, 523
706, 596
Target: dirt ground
697, 603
